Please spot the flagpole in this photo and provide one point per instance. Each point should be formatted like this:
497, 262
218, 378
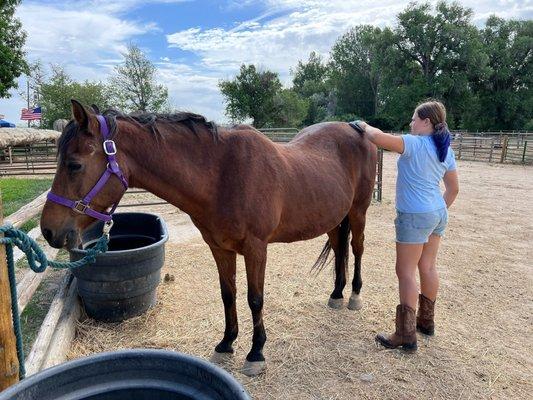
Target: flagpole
28, 86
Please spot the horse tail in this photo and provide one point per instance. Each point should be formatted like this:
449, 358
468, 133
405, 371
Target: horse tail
342, 251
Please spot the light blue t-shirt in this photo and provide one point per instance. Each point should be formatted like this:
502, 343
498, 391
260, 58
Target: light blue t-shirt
419, 175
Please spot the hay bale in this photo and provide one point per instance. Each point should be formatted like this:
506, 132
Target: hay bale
23, 136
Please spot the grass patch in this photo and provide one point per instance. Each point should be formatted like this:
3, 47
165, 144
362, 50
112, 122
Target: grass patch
17, 192
30, 224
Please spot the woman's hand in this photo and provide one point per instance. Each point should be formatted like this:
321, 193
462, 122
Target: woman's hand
363, 128
368, 130
363, 125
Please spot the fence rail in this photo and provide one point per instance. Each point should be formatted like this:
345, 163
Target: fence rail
501, 149
35, 159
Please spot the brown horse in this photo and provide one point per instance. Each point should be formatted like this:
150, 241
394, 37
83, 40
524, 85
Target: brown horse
241, 190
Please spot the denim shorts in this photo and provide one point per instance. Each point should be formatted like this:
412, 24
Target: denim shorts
417, 227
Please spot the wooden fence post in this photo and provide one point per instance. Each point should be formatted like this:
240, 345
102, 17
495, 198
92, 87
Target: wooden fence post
491, 149
460, 146
524, 152
9, 364
504, 148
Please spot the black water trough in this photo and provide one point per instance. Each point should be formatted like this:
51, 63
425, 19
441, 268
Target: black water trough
130, 375
122, 282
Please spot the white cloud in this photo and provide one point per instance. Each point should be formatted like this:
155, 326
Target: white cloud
515, 9
278, 40
104, 6
76, 36
192, 91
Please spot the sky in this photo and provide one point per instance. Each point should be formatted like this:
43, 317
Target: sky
194, 44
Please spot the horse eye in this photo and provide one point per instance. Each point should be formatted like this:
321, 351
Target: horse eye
73, 166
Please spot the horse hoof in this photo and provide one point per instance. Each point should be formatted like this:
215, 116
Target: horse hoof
355, 302
221, 358
253, 368
336, 303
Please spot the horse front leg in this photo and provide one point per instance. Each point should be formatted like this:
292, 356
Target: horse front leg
255, 260
226, 265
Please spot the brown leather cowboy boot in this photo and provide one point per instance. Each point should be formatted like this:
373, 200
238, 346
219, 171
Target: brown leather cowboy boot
426, 314
405, 335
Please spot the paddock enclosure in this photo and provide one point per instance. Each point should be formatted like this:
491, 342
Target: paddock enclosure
483, 314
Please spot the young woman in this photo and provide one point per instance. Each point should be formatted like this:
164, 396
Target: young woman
425, 159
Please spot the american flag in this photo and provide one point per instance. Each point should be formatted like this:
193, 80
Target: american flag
30, 114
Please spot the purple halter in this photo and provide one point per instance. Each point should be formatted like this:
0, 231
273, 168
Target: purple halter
82, 206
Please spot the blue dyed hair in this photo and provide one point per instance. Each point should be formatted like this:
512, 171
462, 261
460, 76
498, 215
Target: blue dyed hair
436, 112
441, 137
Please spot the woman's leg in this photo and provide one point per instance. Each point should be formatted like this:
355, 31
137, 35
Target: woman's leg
407, 256
407, 259
429, 286
427, 268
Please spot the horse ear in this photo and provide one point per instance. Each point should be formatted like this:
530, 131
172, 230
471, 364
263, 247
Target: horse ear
95, 108
80, 113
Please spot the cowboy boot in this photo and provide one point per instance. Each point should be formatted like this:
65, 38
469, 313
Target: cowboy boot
405, 334
425, 317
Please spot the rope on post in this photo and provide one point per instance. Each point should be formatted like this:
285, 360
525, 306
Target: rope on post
38, 263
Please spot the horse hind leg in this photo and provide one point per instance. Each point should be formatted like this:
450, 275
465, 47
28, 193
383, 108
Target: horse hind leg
338, 238
357, 225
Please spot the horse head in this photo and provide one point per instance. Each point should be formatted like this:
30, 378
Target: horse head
83, 160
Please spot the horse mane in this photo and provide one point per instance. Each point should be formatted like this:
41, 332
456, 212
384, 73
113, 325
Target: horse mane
150, 120
146, 120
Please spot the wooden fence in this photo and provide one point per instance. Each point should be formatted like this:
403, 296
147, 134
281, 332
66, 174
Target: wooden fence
494, 147
35, 159
58, 328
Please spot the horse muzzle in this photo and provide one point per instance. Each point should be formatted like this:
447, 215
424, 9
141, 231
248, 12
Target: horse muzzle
67, 239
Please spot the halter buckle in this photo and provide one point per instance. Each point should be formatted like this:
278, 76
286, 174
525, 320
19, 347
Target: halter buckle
80, 207
109, 147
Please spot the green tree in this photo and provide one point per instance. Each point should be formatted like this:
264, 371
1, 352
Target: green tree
310, 77
251, 95
310, 81
56, 93
133, 84
446, 48
356, 70
505, 99
291, 109
12, 38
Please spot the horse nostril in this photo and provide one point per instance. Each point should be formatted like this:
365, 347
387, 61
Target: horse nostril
47, 233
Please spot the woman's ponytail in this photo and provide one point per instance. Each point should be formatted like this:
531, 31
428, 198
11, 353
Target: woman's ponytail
442, 138
436, 112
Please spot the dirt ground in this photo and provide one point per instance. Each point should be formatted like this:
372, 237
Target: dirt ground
482, 347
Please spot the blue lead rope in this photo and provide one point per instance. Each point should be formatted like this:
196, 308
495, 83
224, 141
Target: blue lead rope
38, 263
